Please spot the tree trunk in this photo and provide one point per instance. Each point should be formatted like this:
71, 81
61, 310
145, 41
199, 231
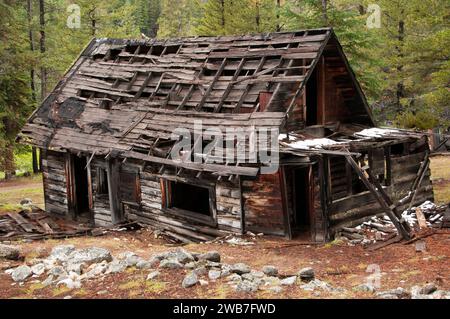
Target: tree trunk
42, 48
278, 15
325, 12
93, 21
32, 75
400, 91
258, 17
222, 5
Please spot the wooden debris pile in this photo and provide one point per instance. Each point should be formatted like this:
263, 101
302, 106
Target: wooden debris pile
381, 228
37, 224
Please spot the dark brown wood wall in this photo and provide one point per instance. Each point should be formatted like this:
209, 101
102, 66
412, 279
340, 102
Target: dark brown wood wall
263, 204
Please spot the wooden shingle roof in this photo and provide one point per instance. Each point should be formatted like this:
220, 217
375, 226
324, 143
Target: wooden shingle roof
131, 94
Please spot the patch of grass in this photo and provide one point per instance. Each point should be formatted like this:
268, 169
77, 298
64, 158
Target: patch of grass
336, 242
30, 290
440, 174
132, 284
60, 290
155, 286
12, 192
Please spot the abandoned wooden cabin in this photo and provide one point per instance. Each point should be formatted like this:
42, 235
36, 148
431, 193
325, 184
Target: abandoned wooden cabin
106, 135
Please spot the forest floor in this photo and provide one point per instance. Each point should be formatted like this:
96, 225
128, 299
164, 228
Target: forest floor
336, 263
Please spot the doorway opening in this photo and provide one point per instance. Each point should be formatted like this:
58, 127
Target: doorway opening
302, 203
81, 186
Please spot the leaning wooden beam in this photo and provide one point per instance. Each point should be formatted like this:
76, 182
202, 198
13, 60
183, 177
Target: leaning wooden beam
415, 191
388, 200
402, 231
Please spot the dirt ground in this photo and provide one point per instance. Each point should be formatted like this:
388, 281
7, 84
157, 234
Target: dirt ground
336, 263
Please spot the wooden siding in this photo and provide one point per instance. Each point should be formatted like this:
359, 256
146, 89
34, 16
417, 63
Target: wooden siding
263, 204
54, 179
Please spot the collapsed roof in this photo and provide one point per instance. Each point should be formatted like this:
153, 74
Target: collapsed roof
128, 96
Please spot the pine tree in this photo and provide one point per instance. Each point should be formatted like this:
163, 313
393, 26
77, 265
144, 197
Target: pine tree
360, 44
15, 93
178, 17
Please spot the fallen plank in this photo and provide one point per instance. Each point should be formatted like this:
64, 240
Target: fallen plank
22, 222
386, 243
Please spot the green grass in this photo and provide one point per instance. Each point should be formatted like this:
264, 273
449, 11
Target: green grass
12, 192
23, 159
440, 174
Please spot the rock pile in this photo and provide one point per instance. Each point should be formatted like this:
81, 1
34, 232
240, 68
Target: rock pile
70, 267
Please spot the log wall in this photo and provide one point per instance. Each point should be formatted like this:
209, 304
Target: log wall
151, 210
54, 179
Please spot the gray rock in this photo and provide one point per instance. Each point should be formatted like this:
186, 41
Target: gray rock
366, 287
248, 277
428, 289
9, 252
257, 274
200, 271
144, 264
246, 286
183, 256
190, 265
316, 284
153, 275
116, 266
213, 264
170, 264
130, 258
75, 267
306, 274
62, 252
70, 283
38, 269
270, 281
398, 293
270, 270
388, 296
289, 281
26, 202
275, 289
210, 256
21, 273
190, 280
47, 282
90, 255
96, 270
240, 268
57, 271
234, 278
214, 274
